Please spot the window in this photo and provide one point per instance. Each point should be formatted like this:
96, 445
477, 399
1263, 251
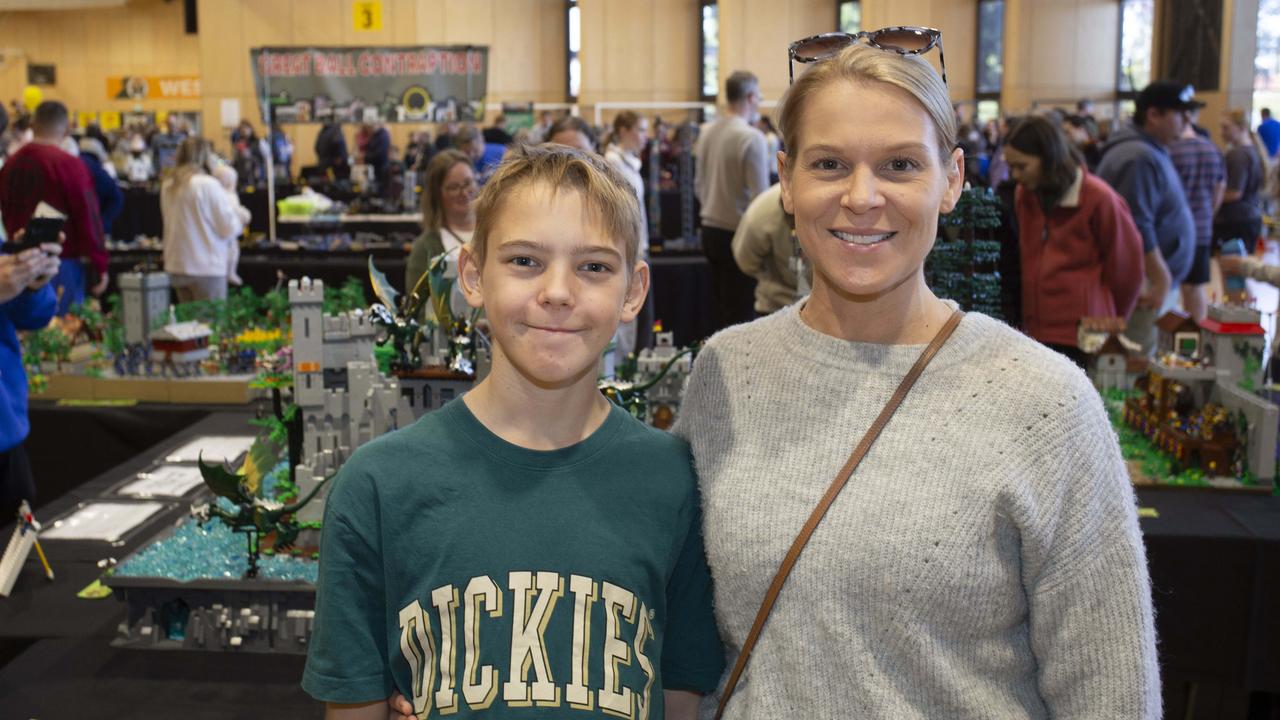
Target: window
1266, 65
990, 49
573, 39
710, 45
849, 16
1137, 24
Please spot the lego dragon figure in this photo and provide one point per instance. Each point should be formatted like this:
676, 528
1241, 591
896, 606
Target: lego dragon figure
400, 317
254, 516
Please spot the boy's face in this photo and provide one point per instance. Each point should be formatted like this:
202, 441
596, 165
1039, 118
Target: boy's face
553, 286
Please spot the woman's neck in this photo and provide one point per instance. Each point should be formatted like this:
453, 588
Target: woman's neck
909, 314
460, 223
517, 411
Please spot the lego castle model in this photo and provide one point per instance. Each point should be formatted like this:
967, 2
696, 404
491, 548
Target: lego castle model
1197, 399
342, 397
663, 398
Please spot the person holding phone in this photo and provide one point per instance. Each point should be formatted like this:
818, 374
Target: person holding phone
42, 172
27, 302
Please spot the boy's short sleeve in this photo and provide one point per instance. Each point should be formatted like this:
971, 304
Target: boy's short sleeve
692, 654
347, 660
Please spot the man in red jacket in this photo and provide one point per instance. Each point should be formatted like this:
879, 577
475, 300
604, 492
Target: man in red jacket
41, 171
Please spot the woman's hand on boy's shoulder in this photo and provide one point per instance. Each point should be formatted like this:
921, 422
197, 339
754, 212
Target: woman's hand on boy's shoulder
399, 707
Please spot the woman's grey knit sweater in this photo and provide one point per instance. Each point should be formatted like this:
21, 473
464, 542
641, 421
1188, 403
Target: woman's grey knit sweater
983, 562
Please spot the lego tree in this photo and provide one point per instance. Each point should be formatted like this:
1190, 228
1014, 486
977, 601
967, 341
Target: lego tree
963, 265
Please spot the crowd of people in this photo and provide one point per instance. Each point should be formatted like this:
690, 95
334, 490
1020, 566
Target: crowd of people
985, 559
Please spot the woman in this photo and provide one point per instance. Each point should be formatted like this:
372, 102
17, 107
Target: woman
1241, 213
984, 560
1081, 253
201, 222
626, 141
249, 154
574, 132
448, 212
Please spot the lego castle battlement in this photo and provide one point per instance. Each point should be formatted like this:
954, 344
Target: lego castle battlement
306, 290
349, 325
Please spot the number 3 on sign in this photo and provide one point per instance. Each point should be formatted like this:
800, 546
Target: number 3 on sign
367, 15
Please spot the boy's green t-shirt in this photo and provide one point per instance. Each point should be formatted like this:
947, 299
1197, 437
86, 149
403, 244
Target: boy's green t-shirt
474, 575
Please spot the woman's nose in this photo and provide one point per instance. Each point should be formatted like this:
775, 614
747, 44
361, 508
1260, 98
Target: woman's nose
863, 191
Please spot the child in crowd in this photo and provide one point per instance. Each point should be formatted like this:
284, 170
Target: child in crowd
528, 550
227, 176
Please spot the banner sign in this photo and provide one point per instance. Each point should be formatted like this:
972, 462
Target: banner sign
400, 84
163, 87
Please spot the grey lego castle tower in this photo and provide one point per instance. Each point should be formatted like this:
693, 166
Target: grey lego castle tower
143, 297
343, 399
663, 399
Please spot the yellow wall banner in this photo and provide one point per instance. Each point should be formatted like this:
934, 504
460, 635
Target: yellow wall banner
109, 120
85, 119
158, 87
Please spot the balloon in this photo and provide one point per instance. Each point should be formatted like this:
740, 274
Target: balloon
32, 97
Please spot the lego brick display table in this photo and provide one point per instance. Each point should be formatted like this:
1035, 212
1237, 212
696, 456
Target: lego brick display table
1214, 558
56, 660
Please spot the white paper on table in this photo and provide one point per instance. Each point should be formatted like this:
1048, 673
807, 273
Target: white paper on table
105, 521
164, 481
213, 448
230, 112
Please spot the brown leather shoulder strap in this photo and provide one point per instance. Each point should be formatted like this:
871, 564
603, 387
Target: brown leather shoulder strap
824, 504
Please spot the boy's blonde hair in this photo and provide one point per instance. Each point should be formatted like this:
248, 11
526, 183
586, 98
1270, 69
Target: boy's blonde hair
604, 191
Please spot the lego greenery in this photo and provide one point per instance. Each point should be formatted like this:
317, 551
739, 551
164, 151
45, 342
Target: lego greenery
1151, 461
963, 263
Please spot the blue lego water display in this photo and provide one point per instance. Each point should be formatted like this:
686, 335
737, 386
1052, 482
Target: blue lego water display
215, 552
212, 552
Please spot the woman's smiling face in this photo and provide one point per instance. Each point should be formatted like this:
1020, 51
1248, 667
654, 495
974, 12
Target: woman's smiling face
866, 185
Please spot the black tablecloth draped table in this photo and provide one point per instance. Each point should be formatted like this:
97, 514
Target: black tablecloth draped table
1214, 560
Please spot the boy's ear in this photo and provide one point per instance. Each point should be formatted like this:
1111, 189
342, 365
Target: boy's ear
469, 277
637, 291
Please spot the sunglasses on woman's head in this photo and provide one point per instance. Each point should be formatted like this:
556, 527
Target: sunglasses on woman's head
904, 40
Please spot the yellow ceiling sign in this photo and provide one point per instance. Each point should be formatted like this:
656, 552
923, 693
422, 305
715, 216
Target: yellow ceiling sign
366, 15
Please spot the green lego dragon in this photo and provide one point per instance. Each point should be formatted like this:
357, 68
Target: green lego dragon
254, 516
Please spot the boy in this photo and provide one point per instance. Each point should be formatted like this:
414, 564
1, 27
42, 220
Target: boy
529, 550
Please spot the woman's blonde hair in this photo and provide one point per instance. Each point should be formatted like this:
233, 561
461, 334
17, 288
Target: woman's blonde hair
433, 186
192, 158
606, 195
1238, 118
911, 73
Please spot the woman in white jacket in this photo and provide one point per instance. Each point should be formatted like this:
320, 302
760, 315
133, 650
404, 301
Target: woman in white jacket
201, 222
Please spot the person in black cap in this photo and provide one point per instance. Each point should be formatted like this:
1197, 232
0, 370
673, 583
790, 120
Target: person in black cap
1136, 163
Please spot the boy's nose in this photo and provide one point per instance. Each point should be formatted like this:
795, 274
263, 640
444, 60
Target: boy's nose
557, 286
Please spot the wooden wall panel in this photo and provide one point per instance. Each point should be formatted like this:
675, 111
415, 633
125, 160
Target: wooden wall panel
144, 37
639, 52
1058, 51
631, 51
